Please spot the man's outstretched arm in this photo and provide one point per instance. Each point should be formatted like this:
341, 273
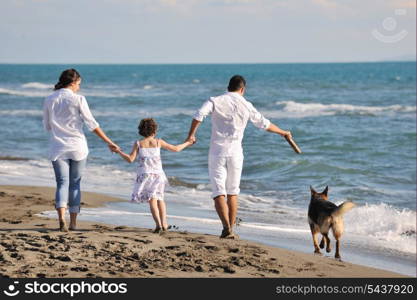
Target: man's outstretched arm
261, 122
193, 129
275, 129
198, 117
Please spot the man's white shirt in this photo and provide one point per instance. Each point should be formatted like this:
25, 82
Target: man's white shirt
230, 114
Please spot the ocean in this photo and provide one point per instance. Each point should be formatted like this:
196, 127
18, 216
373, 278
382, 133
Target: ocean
355, 123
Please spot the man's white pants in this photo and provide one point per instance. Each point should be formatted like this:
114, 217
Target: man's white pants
225, 173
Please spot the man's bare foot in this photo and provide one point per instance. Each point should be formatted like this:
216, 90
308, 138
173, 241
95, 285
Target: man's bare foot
232, 236
157, 230
225, 232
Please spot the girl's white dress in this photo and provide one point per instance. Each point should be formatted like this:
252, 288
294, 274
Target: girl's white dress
150, 179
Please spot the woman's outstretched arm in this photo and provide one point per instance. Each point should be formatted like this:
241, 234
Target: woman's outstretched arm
100, 133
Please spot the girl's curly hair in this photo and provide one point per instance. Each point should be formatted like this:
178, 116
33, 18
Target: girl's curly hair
147, 127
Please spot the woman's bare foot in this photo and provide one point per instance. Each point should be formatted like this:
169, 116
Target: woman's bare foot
63, 226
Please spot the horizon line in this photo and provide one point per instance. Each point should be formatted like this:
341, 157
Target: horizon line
201, 63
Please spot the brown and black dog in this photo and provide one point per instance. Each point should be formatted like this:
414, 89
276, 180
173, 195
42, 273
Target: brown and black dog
324, 215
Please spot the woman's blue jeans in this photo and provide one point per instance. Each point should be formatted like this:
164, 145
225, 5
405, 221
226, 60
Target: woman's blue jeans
68, 175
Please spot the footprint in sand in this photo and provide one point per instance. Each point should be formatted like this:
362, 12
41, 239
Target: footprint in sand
120, 227
143, 241
172, 247
14, 221
61, 257
212, 248
102, 228
196, 240
234, 250
237, 261
228, 269
36, 244
16, 256
79, 269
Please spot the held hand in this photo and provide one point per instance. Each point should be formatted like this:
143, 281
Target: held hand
114, 148
191, 139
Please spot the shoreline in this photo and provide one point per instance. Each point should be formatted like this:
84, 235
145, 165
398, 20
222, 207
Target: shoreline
33, 247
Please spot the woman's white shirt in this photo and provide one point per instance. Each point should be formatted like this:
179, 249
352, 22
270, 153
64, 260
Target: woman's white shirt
64, 113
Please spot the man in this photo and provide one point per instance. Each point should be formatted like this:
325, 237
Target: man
230, 113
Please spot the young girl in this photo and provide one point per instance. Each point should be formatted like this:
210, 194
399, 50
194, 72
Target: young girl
151, 180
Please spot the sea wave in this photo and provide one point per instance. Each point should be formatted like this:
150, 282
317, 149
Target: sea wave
38, 85
380, 226
145, 113
37, 92
102, 114
24, 93
292, 109
383, 225
21, 112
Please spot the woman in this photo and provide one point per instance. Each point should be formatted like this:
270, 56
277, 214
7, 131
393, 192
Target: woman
64, 113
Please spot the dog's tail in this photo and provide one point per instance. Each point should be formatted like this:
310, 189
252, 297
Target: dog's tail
343, 208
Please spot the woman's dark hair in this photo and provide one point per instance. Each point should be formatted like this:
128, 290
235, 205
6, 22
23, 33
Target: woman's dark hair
236, 83
67, 77
147, 127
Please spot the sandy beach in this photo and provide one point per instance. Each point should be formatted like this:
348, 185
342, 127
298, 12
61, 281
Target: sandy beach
31, 246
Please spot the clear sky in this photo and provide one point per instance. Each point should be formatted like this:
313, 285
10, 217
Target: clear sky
206, 31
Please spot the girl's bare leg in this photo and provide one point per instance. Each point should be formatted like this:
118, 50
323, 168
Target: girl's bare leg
155, 213
163, 214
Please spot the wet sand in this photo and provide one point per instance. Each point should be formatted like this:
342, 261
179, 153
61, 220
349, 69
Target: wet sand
32, 246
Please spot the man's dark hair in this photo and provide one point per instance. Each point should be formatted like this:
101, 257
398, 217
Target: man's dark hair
236, 83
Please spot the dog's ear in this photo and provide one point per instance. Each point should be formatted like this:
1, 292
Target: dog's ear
325, 190
313, 192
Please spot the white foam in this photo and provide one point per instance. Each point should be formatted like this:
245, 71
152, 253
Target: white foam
36, 89
384, 226
24, 93
145, 113
270, 227
38, 85
292, 109
98, 178
21, 112
96, 113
